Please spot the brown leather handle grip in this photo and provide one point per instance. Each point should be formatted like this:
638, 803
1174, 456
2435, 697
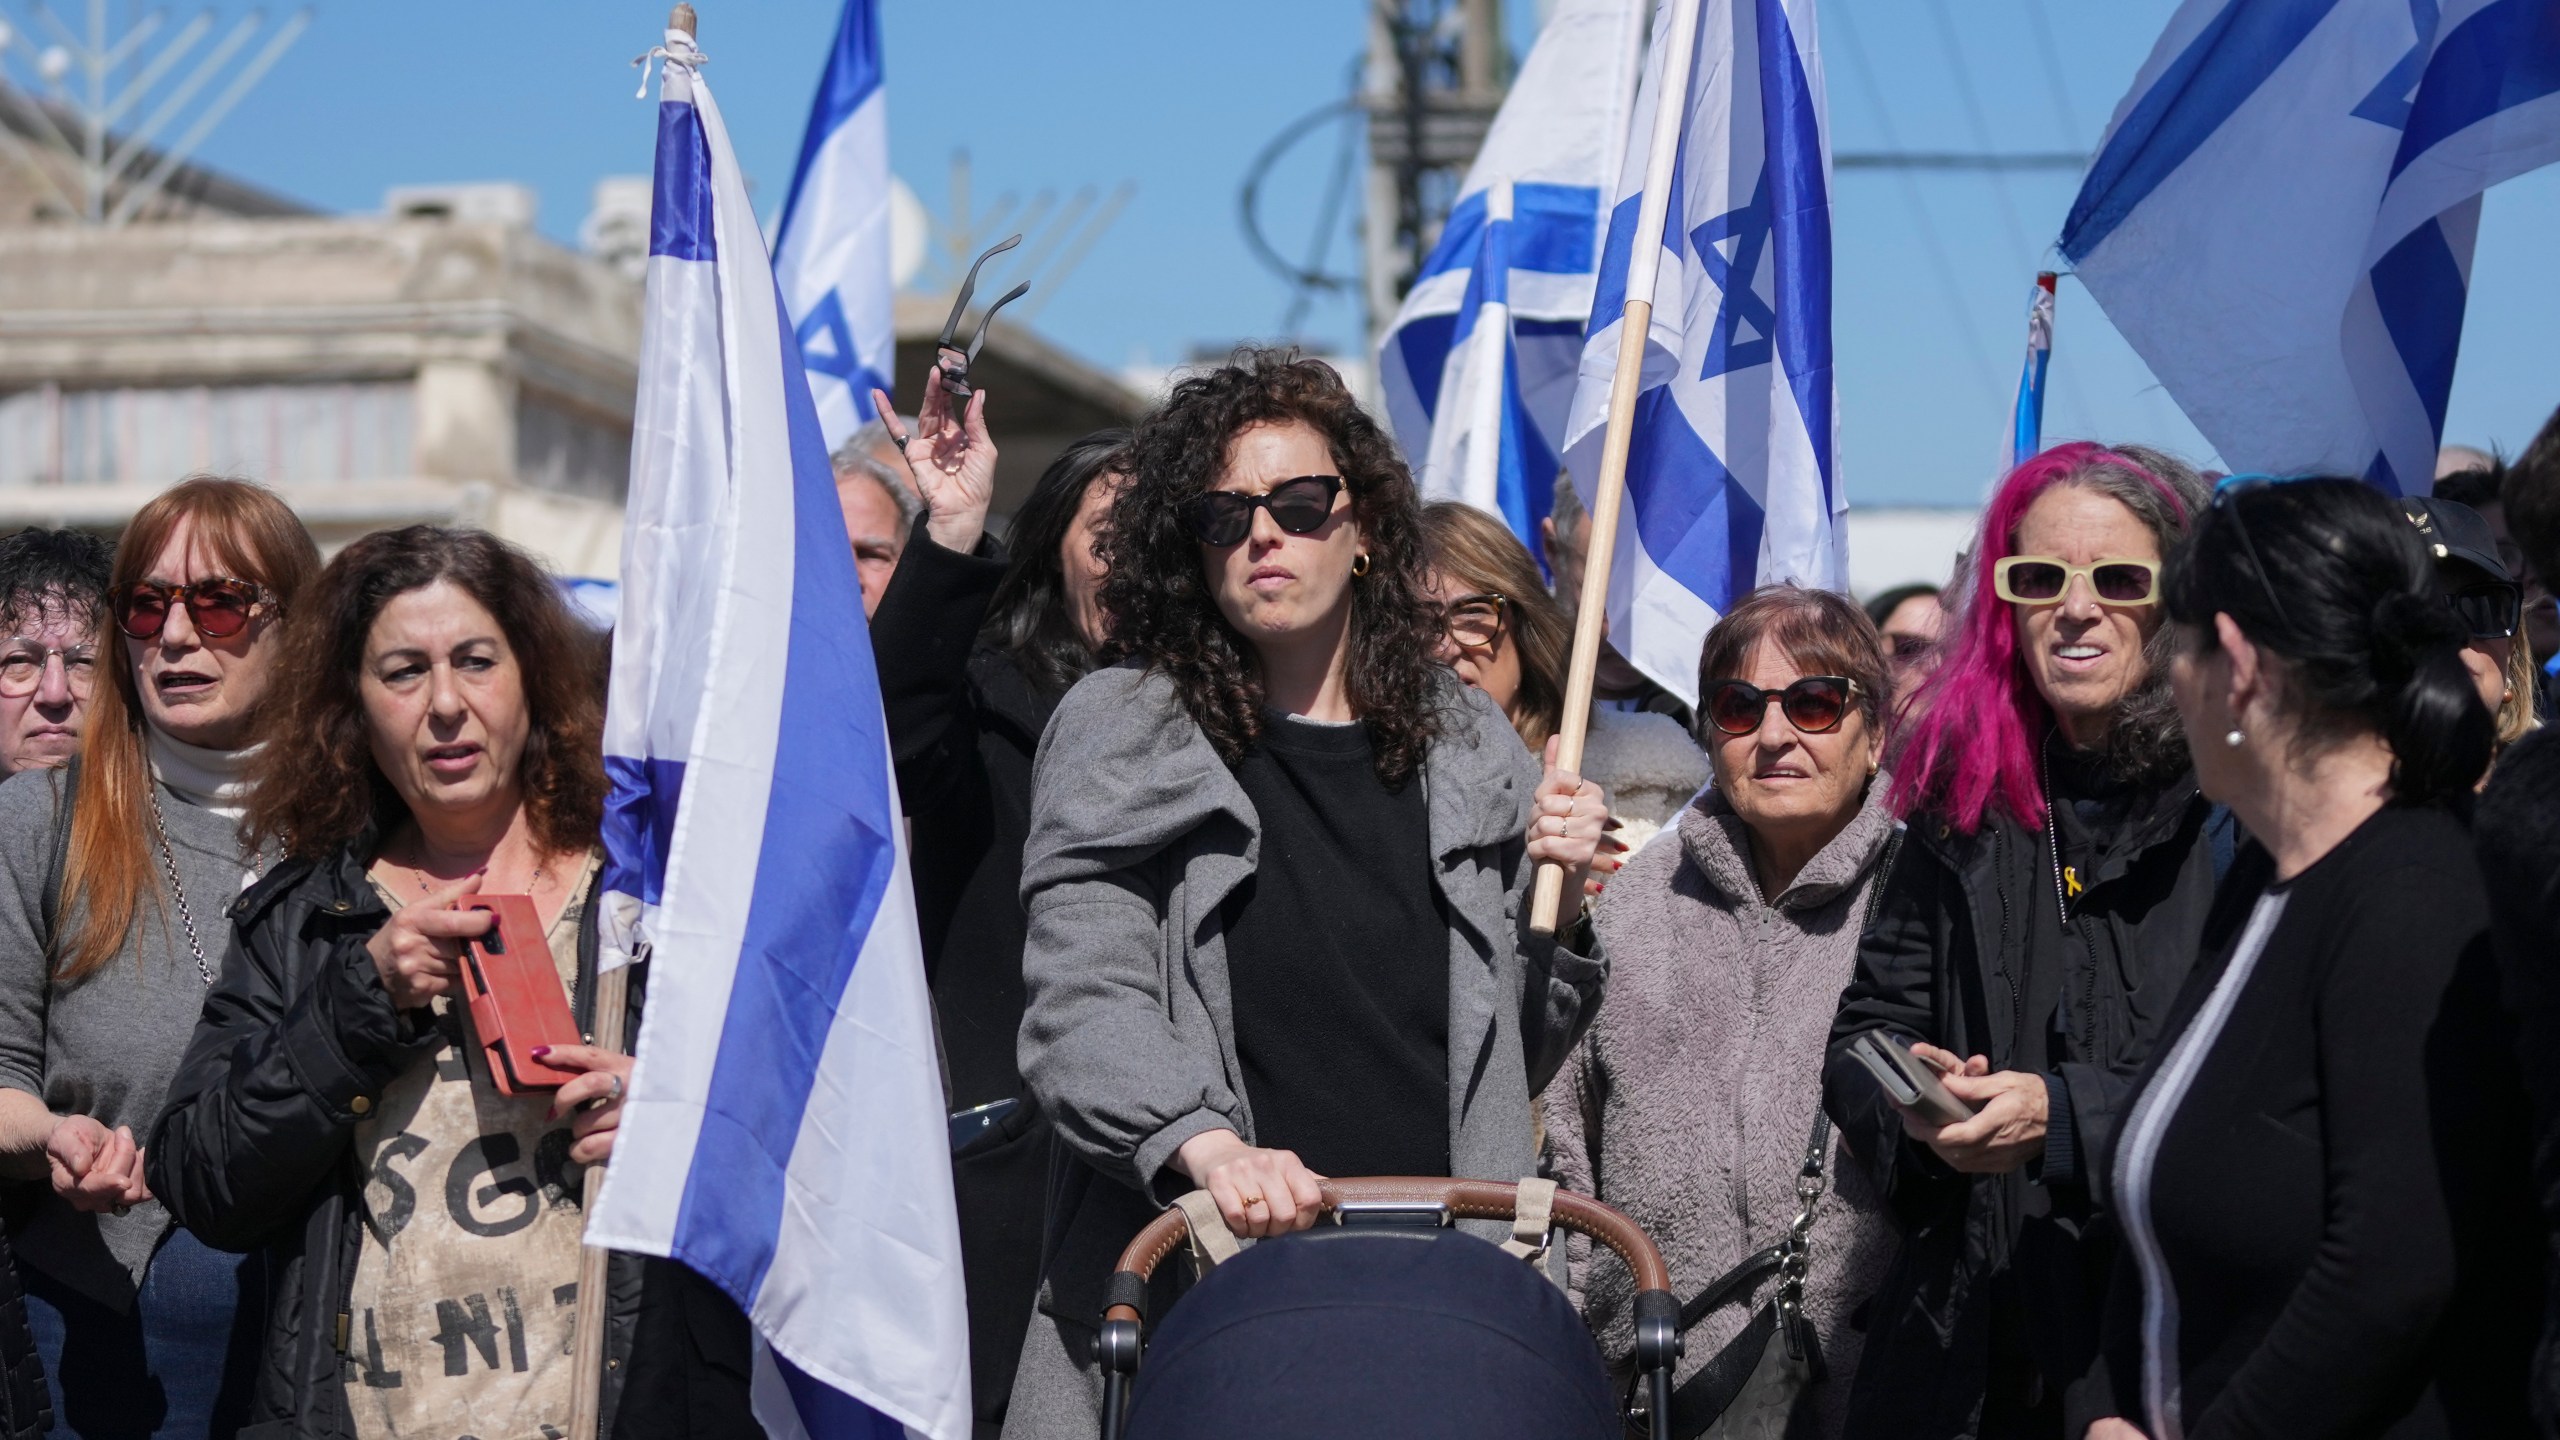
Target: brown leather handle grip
1466, 1199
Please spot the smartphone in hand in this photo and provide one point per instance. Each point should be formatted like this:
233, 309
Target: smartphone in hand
1909, 1080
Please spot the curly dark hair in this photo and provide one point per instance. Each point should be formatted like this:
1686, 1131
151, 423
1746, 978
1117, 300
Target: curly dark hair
317, 787
1164, 610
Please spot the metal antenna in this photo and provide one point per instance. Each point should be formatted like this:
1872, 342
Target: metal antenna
114, 80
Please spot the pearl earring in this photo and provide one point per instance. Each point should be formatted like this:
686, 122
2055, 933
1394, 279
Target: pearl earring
2234, 739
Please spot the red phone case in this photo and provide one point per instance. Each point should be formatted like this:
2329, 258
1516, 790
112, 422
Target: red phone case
517, 1003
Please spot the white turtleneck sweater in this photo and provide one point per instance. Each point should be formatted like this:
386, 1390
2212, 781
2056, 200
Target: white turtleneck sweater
216, 780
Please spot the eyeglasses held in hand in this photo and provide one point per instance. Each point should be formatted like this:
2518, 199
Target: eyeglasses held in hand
2491, 611
1299, 506
1813, 704
1474, 622
219, 607
2045, 579
22, 667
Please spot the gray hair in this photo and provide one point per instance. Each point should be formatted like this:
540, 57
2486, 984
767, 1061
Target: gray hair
854, 457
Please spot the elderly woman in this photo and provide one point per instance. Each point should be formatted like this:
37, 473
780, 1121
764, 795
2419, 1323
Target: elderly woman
110, 934
2323, 1184
1696, 1097
1505, 636
2058, 869
1278, 862
437, 736
53, 587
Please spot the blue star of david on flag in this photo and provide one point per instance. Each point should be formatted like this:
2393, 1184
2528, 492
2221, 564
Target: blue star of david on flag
827, 346
1748, 228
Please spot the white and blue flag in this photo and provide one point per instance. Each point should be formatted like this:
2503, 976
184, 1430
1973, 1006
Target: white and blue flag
785, 1134
1478, 368
831, 251
1732, 476
2281, 216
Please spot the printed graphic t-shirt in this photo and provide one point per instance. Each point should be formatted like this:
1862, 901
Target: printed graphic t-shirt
466, 1287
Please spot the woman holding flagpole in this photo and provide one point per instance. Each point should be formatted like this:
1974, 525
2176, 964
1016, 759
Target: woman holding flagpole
1278, 860
437, 736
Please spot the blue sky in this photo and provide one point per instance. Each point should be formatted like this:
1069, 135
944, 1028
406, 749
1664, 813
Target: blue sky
1178, 96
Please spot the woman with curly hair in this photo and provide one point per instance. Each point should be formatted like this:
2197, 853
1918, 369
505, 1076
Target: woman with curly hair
1278, 863
437, 734
2048, 904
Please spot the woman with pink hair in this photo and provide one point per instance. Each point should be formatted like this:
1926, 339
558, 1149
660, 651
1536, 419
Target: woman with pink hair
2048, 904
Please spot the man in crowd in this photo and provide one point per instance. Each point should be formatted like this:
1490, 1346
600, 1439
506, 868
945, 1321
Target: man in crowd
879, 509
52, 583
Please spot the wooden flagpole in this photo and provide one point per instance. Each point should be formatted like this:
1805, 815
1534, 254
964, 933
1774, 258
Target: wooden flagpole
586, 1372
612, 1013
1644, 266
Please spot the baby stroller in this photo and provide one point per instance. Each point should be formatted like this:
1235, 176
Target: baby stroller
1381, 1321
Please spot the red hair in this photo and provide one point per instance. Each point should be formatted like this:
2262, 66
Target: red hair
1973, 744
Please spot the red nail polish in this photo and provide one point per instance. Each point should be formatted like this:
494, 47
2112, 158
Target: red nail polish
541, 1051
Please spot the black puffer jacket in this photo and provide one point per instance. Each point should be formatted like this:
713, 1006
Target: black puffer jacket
964, 722
297, 1040
1948, 961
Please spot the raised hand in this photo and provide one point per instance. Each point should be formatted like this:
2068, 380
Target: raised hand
1565, 825
951, 461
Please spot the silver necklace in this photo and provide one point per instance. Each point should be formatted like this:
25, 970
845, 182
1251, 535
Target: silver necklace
2052, 836
177, 887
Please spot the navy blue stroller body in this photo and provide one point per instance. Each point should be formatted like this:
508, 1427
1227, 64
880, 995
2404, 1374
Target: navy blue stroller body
1382, 1321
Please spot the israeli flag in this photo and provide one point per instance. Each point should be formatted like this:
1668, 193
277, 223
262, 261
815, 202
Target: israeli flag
831, 251
2026, 413
1478, 368
2280, 218
1732, 477
785, 1133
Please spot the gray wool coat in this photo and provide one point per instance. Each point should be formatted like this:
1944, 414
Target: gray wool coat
1689, 1102
1138, 833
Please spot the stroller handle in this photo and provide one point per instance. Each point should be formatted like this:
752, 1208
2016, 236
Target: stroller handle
1465, 1199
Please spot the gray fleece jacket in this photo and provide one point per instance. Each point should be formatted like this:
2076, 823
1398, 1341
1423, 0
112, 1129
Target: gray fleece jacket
1689, 1102
1138, 833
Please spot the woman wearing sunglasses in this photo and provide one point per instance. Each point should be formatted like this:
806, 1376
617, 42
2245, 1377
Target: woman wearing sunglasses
2489, 603
2058, 868
122, 870
1693, 1102
1504, 635
2324, 1183
1276, 879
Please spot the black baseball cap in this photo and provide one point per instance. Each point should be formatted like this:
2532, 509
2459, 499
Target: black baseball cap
2454, 532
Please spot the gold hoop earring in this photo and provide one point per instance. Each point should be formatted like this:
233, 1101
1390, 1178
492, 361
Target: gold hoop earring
1359, 564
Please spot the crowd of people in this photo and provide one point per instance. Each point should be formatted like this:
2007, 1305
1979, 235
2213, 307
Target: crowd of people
2098, 997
